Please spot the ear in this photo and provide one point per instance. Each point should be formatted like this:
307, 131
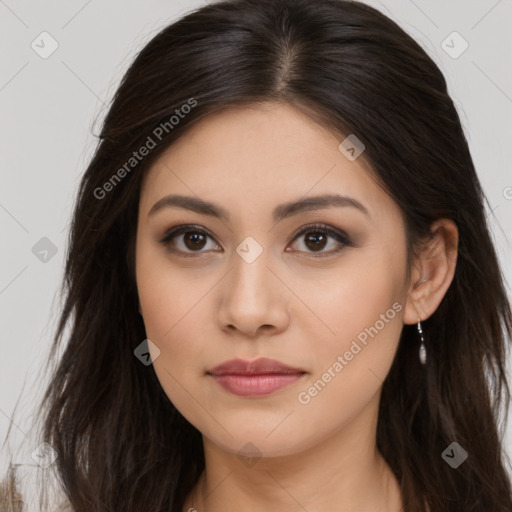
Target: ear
432, 272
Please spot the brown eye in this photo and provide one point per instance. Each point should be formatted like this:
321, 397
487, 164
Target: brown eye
194, 240
186, 240
316, 240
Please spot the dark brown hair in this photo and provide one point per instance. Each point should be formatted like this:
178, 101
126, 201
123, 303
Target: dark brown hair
121, 444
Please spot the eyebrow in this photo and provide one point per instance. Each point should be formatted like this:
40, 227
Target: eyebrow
279, 213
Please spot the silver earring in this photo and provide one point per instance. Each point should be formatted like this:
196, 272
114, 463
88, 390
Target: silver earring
423, 350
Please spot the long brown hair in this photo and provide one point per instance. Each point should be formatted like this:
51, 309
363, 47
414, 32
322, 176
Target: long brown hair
121, 444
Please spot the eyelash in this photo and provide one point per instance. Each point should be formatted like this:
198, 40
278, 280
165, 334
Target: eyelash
339, 236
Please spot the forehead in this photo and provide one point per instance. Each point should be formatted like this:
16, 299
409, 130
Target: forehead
259, 155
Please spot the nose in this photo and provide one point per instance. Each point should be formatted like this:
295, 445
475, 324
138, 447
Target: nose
253, 300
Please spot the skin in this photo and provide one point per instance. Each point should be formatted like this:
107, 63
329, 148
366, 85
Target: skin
288, 304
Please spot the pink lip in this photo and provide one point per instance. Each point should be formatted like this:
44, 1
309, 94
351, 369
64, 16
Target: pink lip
255, 378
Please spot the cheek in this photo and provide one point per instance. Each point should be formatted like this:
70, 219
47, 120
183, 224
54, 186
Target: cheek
169, 299
361, 313
346, 300
174, 318
364, 310
169, 306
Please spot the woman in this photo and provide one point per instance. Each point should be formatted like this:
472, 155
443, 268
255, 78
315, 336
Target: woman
281, 287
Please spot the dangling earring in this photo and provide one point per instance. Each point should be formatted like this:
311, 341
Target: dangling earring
423, 350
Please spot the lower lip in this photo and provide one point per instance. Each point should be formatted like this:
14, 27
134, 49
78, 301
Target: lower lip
256, 385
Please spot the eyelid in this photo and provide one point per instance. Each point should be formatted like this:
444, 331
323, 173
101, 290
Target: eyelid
183, 228
334, 232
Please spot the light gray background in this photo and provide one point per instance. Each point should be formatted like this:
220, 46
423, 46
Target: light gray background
47, 111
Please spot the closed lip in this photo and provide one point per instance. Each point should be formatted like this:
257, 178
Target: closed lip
261, 366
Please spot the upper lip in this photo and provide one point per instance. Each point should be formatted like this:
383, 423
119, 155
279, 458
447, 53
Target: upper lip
256, 367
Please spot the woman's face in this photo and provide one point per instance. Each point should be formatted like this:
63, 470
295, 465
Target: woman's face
252, 277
